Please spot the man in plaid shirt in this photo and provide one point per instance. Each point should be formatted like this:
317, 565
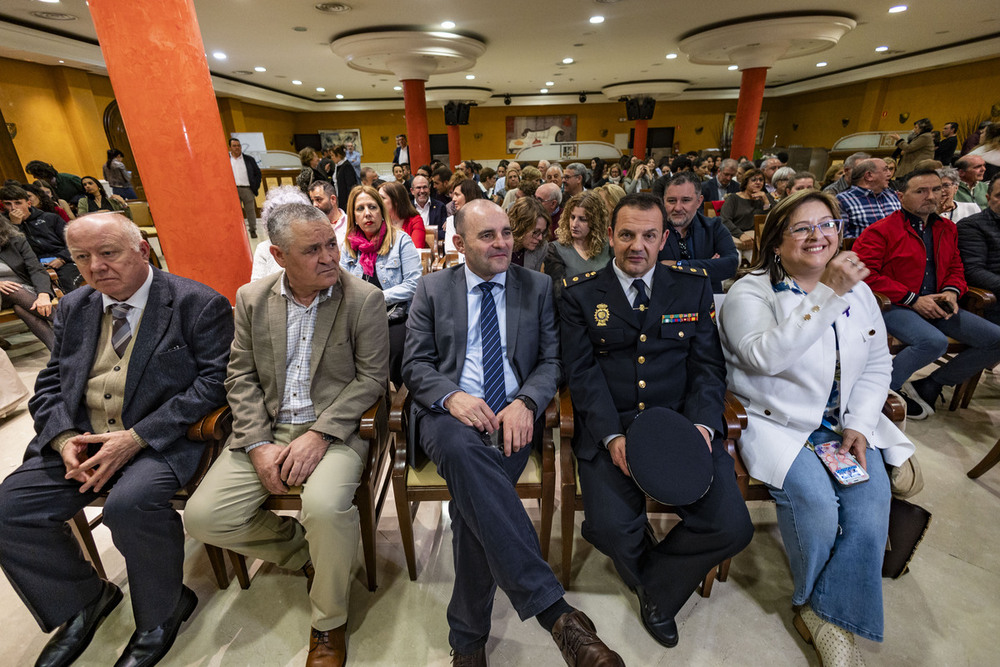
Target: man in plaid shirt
869, 197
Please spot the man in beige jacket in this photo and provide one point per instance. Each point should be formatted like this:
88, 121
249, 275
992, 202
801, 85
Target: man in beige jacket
310, 356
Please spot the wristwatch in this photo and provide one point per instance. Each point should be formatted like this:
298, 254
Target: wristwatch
530, 404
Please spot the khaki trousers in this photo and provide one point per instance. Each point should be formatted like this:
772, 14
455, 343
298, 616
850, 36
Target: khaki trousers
226, 511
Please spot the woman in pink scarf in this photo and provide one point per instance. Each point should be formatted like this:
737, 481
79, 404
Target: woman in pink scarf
385, 256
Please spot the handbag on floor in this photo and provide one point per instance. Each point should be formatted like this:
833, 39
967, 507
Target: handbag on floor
908, 524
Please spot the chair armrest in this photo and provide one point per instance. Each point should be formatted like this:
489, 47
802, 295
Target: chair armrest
884, 304
213, 426
565, 414
396, 412
370, 418
735, 417
552, 413
976, 300
894, 408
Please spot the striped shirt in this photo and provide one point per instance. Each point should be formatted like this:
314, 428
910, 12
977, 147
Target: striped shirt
860, 207
296, 404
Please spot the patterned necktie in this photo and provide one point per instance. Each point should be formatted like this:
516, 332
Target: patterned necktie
121, 332
494, 391
641, 302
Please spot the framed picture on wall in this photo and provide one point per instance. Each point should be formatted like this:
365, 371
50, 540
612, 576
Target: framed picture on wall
729, 123
331, 138
528, 131
567, 152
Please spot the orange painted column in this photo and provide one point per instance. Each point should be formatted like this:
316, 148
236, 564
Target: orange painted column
639, 138
417, 136
454, 146
748, 112
156, 61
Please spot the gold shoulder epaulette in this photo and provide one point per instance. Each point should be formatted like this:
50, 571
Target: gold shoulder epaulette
576, 280
690, 270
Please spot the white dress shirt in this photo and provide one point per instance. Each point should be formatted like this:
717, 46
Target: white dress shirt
239, 170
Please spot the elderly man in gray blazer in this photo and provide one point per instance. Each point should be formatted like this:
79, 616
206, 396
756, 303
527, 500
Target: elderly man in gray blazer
310, 356
482, 362
139, 355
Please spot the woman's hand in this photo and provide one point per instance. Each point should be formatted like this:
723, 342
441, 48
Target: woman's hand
843, 272
119, 199
856, 444
9, 286
42, 305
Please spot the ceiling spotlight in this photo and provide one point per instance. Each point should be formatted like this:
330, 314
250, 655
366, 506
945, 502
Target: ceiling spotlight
597, 19
259, 69
733, 68
61, 62
397, 87
550, 83
671, 56
296, 82
567, 61
583, 97
544, 90
218, 55
447, 25
821, 64
506, 99
898, 9
321, 90
339, 96
470, 77
881, 49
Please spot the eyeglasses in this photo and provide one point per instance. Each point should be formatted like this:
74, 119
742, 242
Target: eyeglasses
827, 228
538, 233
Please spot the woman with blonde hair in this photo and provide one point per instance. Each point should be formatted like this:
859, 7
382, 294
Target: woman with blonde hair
581, 239
611, 194
384, 256
529, 225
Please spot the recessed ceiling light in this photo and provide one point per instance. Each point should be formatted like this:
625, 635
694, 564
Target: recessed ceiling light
567, 61
321, 90
470, 77
50, 2
821, 64
339, 96
397, 87
550, 83
881, 49
733, 68
597, 19
218, 55
447, 25
544, 90
296, 82
260, 69
671, 56
898, 9
61, 62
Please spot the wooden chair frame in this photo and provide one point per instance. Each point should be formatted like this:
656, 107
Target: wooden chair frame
571, 500
369, 498
213, 429
408, 498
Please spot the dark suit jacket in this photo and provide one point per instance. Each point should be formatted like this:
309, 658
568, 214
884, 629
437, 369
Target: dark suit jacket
175, 375
253, 173
979, 244
345, 180
711, 192
17, 254
707, 237
436, 216
437, 328
945, 150
682, 366
409, 156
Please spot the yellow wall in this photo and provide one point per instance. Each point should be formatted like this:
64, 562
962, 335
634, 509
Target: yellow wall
59, 114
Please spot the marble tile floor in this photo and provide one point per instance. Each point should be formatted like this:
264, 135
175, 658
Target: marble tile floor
942, 613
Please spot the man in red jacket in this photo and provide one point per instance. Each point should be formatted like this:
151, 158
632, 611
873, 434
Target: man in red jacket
914, 260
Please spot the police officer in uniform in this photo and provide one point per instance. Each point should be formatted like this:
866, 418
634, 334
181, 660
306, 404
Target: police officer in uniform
638, 334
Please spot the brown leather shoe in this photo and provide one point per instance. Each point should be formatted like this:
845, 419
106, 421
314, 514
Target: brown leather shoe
576, 637
310, 573
327, 648
477, 659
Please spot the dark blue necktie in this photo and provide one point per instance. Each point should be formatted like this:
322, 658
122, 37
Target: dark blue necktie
494, 391
641, 302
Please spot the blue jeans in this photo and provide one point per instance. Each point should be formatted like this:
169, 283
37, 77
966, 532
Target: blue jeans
835, 538
493, 540
927, 340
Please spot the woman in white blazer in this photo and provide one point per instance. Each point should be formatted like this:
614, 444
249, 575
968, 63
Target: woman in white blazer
806, 354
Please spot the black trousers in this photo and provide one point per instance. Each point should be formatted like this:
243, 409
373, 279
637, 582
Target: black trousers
712, 529
44, 563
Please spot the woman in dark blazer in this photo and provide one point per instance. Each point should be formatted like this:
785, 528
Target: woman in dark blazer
24, 284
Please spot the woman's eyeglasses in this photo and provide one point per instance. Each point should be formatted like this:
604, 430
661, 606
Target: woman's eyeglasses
802, 230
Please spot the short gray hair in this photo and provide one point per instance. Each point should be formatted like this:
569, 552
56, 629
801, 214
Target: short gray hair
950, 173
854, 159
782, 174
729, 163
280, 221
863, 167
129, 230
578, 169
284, 194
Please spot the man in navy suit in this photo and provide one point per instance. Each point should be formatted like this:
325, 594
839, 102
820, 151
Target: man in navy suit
637, 335
723, 183
139, 355
402, 153
482, 363
431, 210
695, 240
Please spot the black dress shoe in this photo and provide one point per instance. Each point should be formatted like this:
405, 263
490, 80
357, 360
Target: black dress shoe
148, 647
73, 637
662, 628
